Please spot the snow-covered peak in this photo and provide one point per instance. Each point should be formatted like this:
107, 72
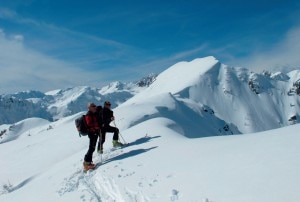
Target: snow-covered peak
251, 101
112, 87
146, 81
178, 77
182, 75
134, 87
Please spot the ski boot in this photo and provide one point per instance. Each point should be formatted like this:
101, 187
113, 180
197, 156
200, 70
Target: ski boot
100, 151
116, 143
88, 166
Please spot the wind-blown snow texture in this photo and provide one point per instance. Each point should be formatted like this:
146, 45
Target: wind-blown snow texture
176, 152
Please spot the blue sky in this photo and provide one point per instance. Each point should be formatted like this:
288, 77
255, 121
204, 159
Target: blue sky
51, 44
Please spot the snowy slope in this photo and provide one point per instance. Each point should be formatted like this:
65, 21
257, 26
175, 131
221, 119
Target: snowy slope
164, 166
190, 119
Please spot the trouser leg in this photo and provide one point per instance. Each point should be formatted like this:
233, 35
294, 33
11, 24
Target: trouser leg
101, 140
113, 130
92, 146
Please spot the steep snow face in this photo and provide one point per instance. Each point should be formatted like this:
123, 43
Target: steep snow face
250, 101
253, 102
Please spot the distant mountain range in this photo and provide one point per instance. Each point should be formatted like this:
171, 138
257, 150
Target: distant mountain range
56, 104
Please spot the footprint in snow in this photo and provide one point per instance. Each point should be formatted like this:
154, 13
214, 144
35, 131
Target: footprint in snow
174, 195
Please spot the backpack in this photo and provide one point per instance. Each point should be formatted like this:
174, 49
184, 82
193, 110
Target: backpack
81, 126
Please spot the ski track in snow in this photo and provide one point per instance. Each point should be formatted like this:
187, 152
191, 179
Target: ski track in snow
95, 185
98, 186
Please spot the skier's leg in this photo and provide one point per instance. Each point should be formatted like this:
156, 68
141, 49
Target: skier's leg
92, 146
101, 141
116, 133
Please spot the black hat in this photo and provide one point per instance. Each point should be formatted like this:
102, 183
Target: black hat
107, 103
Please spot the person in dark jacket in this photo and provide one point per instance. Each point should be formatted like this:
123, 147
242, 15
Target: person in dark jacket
108, 116
93, 127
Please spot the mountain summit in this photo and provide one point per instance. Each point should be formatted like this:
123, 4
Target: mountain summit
250, 101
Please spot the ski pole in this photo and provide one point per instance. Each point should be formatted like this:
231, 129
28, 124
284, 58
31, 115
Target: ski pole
119, 132
100, 142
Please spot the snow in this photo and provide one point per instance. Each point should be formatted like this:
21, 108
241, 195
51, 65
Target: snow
179, 76
180, 149
163, 166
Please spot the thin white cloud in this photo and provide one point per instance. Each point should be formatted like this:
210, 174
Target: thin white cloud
283, 56
6, 13
26, 69
9, 14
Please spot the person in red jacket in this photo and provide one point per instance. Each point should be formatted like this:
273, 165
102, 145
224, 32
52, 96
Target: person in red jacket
93, 127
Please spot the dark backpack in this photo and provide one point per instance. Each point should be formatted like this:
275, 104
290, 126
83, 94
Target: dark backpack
81, 126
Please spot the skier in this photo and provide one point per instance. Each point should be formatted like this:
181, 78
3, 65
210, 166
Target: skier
93, 127
108, 116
